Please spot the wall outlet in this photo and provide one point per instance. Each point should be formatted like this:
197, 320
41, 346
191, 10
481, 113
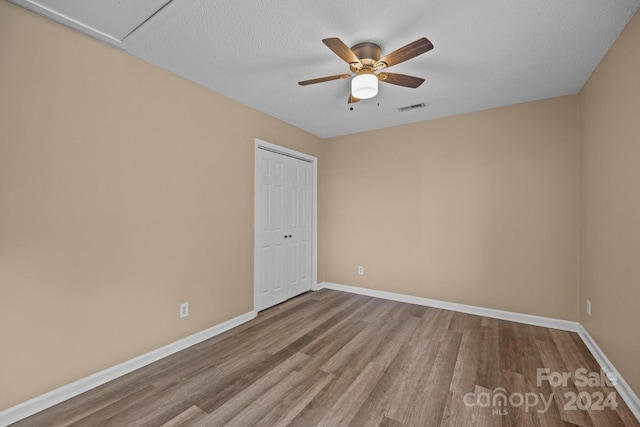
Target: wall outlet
360, 270
589, 307
184, 309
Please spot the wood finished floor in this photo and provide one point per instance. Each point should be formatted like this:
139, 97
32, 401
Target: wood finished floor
331, 358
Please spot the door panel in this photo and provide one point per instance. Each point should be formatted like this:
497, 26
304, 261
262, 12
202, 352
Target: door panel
300, 208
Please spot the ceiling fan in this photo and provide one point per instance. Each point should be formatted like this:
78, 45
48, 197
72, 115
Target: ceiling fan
366, 65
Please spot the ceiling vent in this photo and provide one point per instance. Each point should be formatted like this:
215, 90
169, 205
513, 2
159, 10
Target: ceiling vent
412, 107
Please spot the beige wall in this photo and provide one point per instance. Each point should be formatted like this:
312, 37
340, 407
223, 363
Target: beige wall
477, 209
610, 204
124, 191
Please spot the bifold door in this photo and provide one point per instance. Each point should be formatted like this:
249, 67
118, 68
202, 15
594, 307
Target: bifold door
284, 222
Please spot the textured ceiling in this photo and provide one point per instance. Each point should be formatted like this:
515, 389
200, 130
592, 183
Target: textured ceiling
487, 53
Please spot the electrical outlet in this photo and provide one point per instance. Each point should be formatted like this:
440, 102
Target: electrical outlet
589, 307
184, 309
360, 270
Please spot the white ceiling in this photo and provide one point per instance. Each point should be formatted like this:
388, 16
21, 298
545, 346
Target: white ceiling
487, 53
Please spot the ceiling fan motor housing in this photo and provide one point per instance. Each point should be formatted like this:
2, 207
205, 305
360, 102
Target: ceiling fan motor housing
368, 53
367, 50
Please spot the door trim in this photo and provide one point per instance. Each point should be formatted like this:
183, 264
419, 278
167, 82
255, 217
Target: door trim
264, 145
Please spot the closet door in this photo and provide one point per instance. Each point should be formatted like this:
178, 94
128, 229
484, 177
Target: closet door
283, 206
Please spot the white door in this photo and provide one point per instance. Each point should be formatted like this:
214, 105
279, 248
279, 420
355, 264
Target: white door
284, 227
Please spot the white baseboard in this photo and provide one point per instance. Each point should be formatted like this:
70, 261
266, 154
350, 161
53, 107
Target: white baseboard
623, 389
529, 319
47, 400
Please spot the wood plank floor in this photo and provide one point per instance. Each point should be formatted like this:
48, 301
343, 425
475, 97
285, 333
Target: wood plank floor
329, 358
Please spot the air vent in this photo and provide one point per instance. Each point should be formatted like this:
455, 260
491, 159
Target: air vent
412, 107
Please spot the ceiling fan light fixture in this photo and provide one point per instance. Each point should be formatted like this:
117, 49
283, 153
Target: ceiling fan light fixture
364, 86
366, 64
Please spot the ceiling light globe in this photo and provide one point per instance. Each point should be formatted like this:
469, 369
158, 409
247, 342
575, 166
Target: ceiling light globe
364, 86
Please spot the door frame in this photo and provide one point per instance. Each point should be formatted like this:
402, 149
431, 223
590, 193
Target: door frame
264, 145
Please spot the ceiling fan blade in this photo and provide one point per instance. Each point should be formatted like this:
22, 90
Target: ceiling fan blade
342, 50
400, 79
323, 79
352, 99
405, 53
